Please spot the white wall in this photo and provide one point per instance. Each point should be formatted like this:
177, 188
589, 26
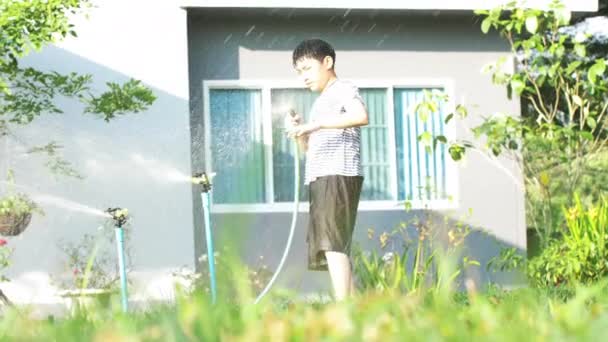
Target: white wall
125, 162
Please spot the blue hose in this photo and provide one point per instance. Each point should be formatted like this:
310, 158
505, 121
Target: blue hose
207, 210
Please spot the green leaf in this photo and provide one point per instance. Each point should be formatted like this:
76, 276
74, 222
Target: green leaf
423, 113
577, 100
563, 15
596, 70
456, 152
425, 138
544, 178
541, 80
485, 25
439, 138
449, 117
462, 110
580, 50
572, 67
518, 86
587, 135
591, 122
408, 205
531, 23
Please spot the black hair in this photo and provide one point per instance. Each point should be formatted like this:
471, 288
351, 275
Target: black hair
313, 48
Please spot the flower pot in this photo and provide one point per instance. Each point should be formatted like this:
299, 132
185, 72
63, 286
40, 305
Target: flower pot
14, 224
87, 299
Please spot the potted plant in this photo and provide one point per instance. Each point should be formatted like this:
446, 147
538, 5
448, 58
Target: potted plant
16, 210
90, 277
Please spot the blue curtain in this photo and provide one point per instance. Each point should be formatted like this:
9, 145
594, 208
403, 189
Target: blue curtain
420, 175
375, 146
237, 150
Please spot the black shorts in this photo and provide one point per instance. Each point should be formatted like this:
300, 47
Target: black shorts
333, 211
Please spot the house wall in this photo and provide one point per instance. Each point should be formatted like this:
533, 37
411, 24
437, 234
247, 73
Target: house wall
128, 162
131, 161
257, 44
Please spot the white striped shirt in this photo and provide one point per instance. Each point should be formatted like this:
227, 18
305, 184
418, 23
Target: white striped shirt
334, 151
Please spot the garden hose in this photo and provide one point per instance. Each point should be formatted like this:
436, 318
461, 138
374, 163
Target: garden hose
294, 220
202, 179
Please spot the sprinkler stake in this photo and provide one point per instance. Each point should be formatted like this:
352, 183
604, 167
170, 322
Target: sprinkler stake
120, 217
202, 179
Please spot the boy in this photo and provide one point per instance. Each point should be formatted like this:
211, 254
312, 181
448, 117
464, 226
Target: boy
333, 162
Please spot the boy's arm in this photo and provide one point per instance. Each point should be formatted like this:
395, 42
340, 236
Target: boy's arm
355, 116
303, 142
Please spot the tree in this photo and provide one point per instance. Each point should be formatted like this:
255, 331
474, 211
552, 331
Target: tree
563, 132
27, 93
565, 126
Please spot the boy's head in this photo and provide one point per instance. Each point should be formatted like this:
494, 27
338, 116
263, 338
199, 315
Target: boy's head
314, 61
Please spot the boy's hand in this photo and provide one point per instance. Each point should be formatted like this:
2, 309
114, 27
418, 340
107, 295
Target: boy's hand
293, 120
301, 130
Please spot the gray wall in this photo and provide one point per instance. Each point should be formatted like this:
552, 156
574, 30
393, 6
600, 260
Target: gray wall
127, 162
369, 45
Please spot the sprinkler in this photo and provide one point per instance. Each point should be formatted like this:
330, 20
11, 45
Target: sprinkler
120, 217
203, 181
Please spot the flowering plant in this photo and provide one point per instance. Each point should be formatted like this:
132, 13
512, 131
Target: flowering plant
91, 262
5, 258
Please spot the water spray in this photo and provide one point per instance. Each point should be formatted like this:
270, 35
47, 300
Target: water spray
203, 181
120, 217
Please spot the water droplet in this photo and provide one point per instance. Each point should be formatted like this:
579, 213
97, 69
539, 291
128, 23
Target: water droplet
344, 25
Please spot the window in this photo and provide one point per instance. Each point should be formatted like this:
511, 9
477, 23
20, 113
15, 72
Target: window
247, 148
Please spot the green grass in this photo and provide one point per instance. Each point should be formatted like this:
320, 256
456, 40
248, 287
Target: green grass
494, 315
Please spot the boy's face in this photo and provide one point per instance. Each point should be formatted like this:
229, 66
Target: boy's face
313, 73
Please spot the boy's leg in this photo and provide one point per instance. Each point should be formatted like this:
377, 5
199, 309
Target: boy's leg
333, 208
341, 274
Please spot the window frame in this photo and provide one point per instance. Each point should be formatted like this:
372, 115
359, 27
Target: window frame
266, 86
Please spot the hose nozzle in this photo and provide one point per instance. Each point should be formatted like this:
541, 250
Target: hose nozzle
201, 178
119, 215
292, 114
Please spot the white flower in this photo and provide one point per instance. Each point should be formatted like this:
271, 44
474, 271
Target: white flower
580, 37
388, 257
